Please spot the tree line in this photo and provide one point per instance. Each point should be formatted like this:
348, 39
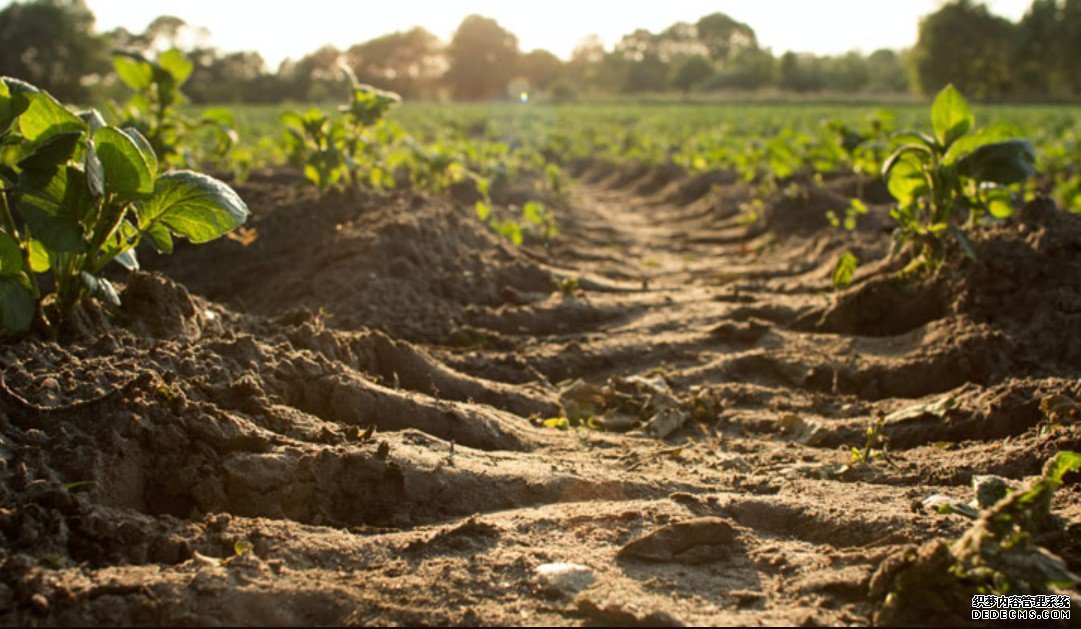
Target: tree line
54, 44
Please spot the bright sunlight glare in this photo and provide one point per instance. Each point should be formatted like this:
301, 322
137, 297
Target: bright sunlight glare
281, 30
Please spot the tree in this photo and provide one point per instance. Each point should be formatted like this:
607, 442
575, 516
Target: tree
317, 76
591, 69
724, 37
637, 60
964, 44
407, 62
230, 77
750, 70
52, 44
677, 43
692, 72
845, 73
540, 68
887, 73
1048, 44
799, 72
482, 57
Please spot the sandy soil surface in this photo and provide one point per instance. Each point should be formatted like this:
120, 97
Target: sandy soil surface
343, 421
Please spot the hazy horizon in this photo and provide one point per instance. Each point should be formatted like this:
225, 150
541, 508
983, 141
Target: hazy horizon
556, 25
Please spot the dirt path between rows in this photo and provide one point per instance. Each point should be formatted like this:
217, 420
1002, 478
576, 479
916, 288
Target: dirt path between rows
343, 422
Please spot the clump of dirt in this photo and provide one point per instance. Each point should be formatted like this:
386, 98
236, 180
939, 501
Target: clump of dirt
400, 262
658, 178
799, 207
1019, 286
691, 189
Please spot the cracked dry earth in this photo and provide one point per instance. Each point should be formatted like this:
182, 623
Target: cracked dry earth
342, 422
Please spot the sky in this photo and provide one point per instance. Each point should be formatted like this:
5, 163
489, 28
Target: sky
280, 30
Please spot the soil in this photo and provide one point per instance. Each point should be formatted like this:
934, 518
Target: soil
342, 421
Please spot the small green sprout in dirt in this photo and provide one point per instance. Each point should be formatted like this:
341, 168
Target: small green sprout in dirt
79, 194
750, 211
154, 109
855, 209
568, 287
556, 179
507, 228
242, 547
1004, 552
947, 182
313, 140
540, 221
874, 447
844, 270
563, 423
535, 221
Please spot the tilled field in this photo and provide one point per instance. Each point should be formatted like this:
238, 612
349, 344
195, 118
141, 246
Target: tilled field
343, 421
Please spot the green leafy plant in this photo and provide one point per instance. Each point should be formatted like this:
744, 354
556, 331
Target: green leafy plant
154, 109
365, 138
314, 145
844, 270
349, 149
568, 287
951, 180
79, 194
539, 221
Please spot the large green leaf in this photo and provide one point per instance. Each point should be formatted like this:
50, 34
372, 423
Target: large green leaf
951, 116
133, 69
127, 173
52, 204
999, 202
912, 151
14, 99
160, 237
1007, 162
50, 155
907, 182
11, 257
58, 233
176, 64
39, 257
998, 132
16, 304
193, 205
46, 118
5, 106
95, 171
292, 119
144, 146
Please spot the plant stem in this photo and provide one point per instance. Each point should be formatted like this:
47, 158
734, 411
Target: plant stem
9, 220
